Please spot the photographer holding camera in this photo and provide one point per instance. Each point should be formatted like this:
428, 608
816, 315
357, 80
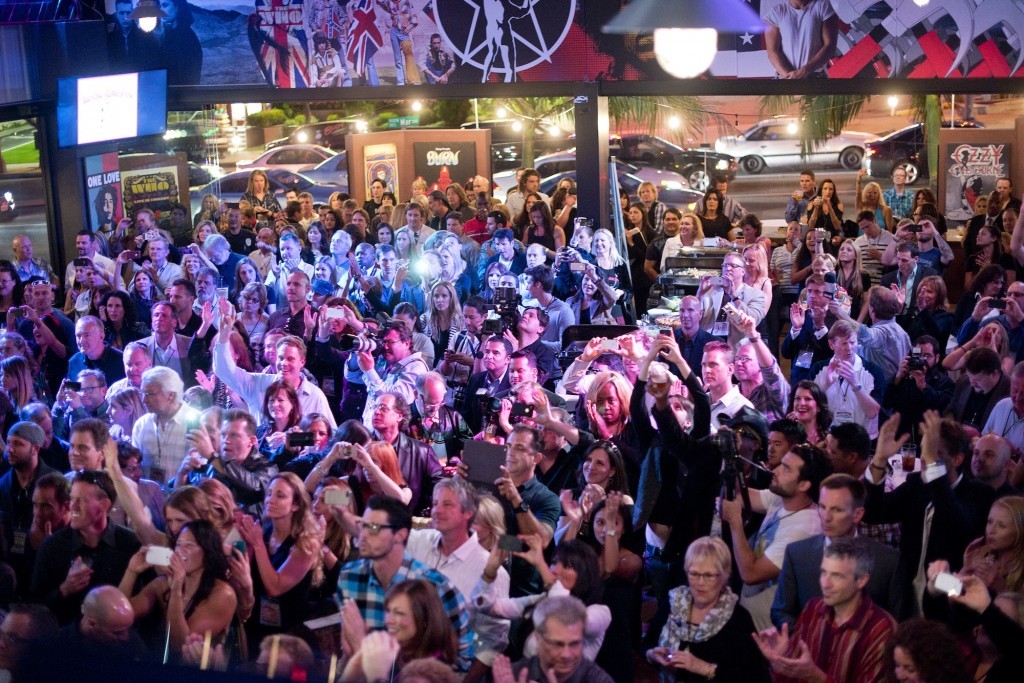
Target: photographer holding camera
530, 328
920, 384
1012, 307
493, 380
399, 376
719, 295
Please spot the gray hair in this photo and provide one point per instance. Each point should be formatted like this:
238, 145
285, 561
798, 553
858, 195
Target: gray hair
463, 490
91, 320
132, 347
166, 379
421, 380
214, 241
565, 609
855, 549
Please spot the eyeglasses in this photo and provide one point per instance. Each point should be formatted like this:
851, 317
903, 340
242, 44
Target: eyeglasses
88, 389
701, 576
389, 342
732, 265
372, 528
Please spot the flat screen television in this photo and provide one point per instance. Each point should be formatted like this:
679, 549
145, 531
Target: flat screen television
114, 107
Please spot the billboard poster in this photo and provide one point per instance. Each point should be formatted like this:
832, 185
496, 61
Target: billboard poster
381, 161
154, 188
971, 172
103, 192
441, 163
338, 43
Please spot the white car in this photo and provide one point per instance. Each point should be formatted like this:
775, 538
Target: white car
563, 162
292, 158
776, 142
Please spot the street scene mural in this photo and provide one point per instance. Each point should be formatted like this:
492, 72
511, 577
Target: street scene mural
339, 43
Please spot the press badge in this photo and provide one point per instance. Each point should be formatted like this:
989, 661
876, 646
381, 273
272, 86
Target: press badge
842, 417
805, 359
720, 329
270, 612
20, 537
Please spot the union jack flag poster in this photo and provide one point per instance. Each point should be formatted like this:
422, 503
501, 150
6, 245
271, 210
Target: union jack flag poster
278, 38
365, 36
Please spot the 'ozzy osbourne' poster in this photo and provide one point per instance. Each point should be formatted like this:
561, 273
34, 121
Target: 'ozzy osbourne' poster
972, 172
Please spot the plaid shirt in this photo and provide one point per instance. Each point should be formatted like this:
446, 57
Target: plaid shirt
902, 205
656, 215
357, 581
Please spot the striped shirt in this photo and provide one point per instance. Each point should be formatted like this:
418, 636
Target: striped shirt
851, 653
358, 581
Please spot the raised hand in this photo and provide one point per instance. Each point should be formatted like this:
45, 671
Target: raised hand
797, 315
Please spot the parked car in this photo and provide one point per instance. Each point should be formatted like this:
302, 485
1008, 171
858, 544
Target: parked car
560, 162
776, 142
697, 165
289, 157
507, 143
327, 133
904, 147
231, 187
332, 170
681, 198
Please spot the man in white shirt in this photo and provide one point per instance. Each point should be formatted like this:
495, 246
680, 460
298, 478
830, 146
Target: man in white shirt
88, 246
529, 183
416, 222
162, 271
872, 245
291, 359
451, 547
161, 433
846, 381
717, 369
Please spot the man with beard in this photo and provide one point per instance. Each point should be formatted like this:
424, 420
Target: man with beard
790, 515
383, 535
16, 491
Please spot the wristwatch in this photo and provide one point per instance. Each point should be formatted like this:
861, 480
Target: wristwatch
522, 507
859, 387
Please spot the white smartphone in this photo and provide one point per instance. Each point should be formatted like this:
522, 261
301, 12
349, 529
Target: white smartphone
159, 556
334, 313
337, 497
949, 584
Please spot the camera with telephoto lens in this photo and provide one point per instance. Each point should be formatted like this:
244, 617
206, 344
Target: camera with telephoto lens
490, 407
358, 342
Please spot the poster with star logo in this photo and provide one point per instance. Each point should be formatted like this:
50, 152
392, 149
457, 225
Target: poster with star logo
341, 43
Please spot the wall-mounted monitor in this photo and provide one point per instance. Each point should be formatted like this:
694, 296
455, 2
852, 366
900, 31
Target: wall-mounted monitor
114, 107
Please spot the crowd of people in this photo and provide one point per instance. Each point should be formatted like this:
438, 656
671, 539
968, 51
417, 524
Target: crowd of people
354, 442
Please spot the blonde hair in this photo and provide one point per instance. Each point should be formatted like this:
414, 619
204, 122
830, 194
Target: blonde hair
490, 514
436, 321
709, 548
697, 224
878, 189
1014, 506
304, 528
762, 262
623, 390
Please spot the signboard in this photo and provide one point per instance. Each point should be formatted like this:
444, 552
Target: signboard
440, 163
103, 192
381, 162
154, 188
971, 172
403, 121
338, 43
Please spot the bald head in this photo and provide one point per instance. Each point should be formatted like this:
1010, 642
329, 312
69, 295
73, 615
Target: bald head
989, 458
107, 615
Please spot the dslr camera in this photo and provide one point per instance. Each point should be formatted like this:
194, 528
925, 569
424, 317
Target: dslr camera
915, 361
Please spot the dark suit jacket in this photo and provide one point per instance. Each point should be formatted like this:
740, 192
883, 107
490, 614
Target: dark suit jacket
798, 580
959, 518
472, 408
518, 263
806, 341
923, 271
194, 354
962, 392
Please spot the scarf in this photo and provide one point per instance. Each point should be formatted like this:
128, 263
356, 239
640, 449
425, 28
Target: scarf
679, 633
